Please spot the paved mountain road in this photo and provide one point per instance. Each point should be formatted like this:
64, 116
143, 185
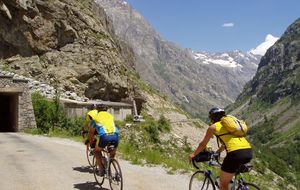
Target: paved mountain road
39, 163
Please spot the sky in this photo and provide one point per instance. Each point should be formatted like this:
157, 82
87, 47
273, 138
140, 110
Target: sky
218, 25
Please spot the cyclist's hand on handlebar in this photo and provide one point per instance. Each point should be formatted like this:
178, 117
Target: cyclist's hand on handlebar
191, 156
83, 132
216, 155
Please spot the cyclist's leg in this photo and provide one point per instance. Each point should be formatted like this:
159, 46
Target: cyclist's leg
98, 155
225, 179
228, 169
231, 163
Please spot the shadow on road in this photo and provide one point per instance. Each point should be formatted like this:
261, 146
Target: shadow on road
89, 186
84, 169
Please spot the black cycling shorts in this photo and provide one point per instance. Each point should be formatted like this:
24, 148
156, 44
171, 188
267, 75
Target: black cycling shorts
236, 158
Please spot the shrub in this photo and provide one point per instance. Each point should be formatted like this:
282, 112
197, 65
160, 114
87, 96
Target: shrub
49, 116
44, 112
164, 124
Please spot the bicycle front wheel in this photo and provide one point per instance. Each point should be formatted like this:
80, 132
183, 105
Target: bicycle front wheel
201, 182
115, 175
89, 155
99, 178
248, 186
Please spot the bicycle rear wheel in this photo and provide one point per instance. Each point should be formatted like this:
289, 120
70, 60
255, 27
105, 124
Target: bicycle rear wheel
99, 179
115, 175
248, 186
201, 182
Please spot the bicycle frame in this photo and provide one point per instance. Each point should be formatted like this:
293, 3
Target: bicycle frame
106, 155
236, 182
111, 167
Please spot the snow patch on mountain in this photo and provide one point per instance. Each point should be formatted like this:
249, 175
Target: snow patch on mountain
225, 63
263, 47
226, 59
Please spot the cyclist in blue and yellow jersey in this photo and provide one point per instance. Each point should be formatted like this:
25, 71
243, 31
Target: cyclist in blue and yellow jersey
238, 149
88, 119
103, 124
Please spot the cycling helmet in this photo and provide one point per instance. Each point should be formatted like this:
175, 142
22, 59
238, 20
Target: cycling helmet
93, 106
101, 106
98, 106
215, 114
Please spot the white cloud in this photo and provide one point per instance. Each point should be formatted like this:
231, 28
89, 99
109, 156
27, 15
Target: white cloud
228, 24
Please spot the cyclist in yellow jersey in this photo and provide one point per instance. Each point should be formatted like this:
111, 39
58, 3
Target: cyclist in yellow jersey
88, 123
103, 125
238, 149
88, 119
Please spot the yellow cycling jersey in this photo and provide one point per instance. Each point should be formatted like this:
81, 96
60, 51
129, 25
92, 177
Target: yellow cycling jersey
105, 123
91, 114
230, 141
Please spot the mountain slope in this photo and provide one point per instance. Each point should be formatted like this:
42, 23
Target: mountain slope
270, 103
175, 71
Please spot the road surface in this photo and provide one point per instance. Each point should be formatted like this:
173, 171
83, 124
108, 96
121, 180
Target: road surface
40, 163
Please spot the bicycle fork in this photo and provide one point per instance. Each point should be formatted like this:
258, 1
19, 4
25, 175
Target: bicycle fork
242, 185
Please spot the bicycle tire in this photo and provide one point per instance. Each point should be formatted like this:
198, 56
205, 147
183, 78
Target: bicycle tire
248, 186
115, 175
199, 181
99, 179
88, 155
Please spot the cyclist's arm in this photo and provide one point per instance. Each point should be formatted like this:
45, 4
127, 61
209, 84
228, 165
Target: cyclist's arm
209, 134
91, 134
85, 126
86, 123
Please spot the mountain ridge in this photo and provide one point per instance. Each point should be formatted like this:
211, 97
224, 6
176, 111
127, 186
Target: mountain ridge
174, 71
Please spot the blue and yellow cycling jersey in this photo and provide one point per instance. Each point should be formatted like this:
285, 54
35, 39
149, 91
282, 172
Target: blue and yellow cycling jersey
89, 117
104, 123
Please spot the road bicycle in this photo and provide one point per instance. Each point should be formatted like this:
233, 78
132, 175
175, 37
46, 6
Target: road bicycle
207, 180
111, 167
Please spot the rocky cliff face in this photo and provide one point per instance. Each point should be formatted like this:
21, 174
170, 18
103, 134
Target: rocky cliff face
175, 71
278, 72
270, 103
69, 43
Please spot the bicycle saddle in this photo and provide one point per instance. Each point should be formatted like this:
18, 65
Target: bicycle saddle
245, 168
111, 146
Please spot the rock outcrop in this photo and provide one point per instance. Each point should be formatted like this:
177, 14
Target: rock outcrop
70, 43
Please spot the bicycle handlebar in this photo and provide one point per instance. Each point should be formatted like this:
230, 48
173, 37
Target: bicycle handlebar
213, 157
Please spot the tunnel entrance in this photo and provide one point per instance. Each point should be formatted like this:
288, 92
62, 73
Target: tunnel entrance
9, 112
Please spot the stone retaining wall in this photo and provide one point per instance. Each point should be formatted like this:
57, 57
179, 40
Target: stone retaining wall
19, 88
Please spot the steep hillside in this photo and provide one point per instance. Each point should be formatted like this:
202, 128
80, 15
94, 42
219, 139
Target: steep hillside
191, 82
271, 105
